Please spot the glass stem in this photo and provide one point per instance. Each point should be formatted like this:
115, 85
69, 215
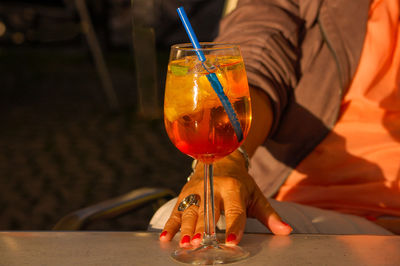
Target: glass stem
209, 213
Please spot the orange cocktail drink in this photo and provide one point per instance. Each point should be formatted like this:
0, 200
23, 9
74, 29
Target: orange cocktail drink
195, 119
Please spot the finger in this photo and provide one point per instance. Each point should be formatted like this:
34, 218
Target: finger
200, 226
235, 216
198, 233
188, 225
277, 226
264, 212
172, 226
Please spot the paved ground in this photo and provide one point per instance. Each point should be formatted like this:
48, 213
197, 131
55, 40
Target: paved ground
61, 148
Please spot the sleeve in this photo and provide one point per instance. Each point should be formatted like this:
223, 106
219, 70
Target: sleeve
268, 32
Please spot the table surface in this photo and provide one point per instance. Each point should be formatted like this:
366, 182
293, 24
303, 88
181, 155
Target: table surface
143, 248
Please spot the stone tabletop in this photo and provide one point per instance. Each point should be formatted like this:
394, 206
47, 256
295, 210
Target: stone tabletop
143, 248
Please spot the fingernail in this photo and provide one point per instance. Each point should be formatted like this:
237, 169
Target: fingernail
231, 237
163, 234
185, 239
285, 223
196, 236
196, 239
371, 218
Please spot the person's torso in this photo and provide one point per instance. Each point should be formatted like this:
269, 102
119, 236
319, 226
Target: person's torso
356, 169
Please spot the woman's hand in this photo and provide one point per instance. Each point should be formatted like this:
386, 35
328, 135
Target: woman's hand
235, 193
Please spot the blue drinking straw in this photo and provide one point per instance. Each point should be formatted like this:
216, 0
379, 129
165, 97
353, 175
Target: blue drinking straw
212, 77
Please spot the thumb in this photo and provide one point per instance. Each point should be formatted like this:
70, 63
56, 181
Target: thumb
263, 211
276, 225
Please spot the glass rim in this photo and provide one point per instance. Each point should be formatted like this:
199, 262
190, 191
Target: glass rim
215, 46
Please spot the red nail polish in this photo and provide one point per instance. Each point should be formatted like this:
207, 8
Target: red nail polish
196, 236
231, 237
371, 218
164, 233
185, 239
285, 223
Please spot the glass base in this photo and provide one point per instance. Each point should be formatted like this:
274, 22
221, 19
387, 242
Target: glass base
210, 254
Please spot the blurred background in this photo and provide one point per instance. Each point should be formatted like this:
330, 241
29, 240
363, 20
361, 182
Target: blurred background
81, 93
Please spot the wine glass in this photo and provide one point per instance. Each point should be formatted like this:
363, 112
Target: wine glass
207, 125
